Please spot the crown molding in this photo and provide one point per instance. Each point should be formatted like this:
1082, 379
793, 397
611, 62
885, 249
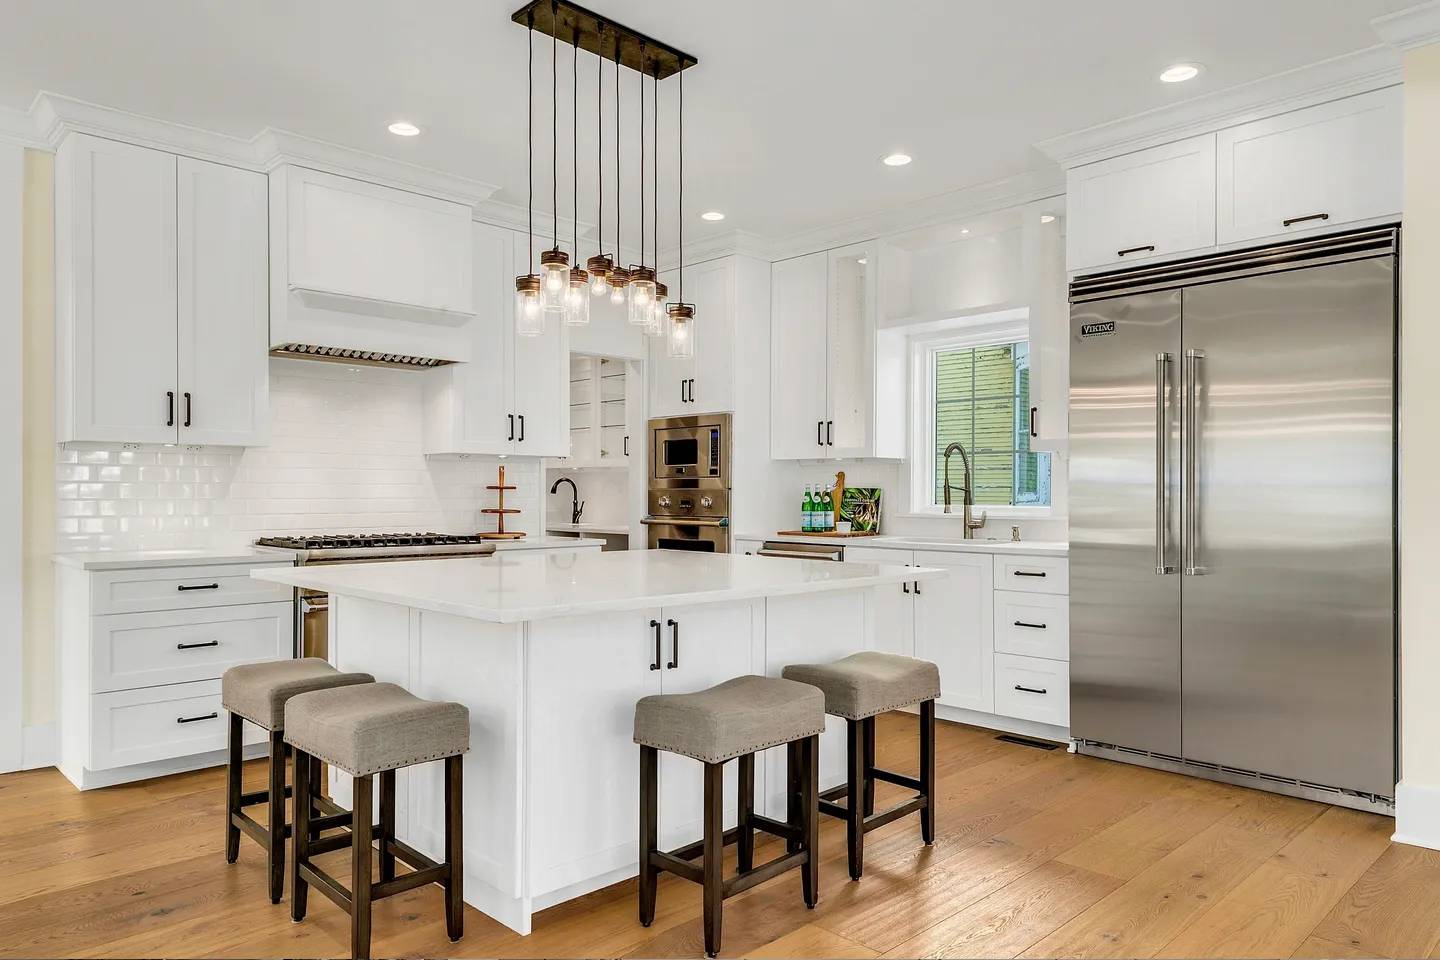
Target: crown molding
17, 126
1410, 28
1343, 76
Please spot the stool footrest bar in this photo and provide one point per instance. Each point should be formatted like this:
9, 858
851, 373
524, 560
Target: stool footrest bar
680, 867
326, 884
899, 779
766, 871
412, 857
331, 821
776, 828
692, 850
409, 881
262, 796
834, 792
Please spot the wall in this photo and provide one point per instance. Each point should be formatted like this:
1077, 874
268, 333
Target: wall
605, 491
1418, 795
12, 438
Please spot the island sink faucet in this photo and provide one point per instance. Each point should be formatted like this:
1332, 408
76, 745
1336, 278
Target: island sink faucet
971, 524
577, 506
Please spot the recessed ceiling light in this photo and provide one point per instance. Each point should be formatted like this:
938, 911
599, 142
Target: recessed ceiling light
1047, 218
1180, 72
712, 215
964, 229
896, 160
404, 129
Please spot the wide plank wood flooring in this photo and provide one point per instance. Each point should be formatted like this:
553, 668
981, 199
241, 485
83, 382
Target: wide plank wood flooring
1037, 854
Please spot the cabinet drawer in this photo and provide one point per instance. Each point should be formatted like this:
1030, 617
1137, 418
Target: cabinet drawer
1032, 624
158, 723
1029, 688
181, 588
1033, 574
131, 650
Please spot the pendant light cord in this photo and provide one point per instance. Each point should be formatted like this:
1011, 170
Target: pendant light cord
554, 125
680, 213
530, 138
600, 142
641, 118
575, 138
655, 171
619, 256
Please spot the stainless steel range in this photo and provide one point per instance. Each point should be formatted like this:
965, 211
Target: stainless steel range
312, 608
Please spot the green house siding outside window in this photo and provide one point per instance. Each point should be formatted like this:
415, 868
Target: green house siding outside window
982, 399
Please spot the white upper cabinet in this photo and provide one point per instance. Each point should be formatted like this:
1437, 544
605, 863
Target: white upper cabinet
704, 383
1152, 203
1311, 169
161, 311
850, 351
513, 397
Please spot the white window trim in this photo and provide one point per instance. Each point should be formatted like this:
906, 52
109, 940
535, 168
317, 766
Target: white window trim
1011, 326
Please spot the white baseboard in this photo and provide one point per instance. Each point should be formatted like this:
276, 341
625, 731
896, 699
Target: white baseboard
39, 746
992, 721
87, 779
1417, 815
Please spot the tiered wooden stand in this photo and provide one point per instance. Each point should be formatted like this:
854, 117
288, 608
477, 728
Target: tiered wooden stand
500, 511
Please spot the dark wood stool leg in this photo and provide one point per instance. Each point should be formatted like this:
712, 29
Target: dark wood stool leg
745, 839
387, 824
299, 887
792, 791
276, 852
454, 849
362, 827
927, 770
868, 725
232, 788
810, 806
714, 855
317, 789
854, 798
649, 831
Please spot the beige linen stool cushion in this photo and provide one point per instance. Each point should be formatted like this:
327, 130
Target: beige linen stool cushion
258, 691
864, 684
367, 729
730, 719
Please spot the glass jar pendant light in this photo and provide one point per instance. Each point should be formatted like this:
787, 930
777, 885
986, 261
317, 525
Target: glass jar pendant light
682, 314
682, 330
656, 325
600, 265
529, 317
619, 277
554, 263
577, 294
641, 295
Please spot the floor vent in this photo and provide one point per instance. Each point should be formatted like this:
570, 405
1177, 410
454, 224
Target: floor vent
1027, 742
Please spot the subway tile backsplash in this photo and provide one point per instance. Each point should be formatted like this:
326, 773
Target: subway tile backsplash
344, 456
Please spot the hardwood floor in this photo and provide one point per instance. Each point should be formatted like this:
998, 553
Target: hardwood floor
1037, 854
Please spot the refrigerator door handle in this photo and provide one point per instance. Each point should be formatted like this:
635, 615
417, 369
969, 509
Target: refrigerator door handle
1193, 360
1162, 466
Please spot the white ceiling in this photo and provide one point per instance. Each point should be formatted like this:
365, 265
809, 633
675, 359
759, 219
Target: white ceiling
789, 111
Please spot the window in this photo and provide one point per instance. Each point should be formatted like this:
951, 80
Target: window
979, 396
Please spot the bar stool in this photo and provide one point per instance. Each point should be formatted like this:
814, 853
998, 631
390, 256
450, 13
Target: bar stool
731, 720
857, 688
258, 692
364, 731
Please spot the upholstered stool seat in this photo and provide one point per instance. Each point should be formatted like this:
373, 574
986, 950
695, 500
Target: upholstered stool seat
258, 692
857, 688
865, 684
733, 718
371, 731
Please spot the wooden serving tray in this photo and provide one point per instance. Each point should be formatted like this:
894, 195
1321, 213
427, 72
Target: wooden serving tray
501, 536
829, 533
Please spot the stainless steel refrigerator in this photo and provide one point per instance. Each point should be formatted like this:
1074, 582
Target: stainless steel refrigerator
1232, 518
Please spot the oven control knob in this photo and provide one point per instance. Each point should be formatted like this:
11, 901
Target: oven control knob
707, 502
664, 502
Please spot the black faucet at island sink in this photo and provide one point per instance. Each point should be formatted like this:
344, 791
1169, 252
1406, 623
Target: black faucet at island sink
577, 506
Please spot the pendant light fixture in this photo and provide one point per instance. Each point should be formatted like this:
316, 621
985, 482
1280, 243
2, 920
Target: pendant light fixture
642, 278
577, 302
619, 276
554, 263
599, 265
682, 314
529, 317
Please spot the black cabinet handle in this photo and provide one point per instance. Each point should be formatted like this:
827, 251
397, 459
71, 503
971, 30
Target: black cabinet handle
1028, 573
905, 587
512, 426
188, 408
1030, 689
208, 716
196, 646
201, 586
1032, 626
682, 391
829, 433
627, 446
655, 664
1314, 216
1146, 249
1033, 434
820, 432
674, 645
521, 438
170, 407
917, 588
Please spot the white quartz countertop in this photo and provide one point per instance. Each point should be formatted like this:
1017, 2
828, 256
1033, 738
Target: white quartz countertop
140, 559
614, 529
1032, 548
547, 543
534, 586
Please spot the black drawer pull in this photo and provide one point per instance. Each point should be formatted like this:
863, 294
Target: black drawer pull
655, 625
197, 646
1032, 626
201, 586
1314, 216
208, 716
1028, 573
188, 409
1030, 689
1150, 248
170, 407
674, 645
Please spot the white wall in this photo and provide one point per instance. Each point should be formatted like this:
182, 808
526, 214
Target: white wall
605, 492
12, 437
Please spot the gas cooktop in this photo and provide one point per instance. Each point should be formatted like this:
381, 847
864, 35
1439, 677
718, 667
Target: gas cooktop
319, 548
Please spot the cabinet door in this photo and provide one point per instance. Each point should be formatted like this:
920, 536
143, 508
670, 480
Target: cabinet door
711, 287
1043, 251
486, 424
1318, 168
889, 609
585, 674
798, 324
224, 312
670, 378
115, 250
954, 627
541, 387
1151, 203
708, 644
850, 351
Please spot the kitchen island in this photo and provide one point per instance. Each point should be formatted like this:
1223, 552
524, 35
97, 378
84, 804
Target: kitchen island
550, 651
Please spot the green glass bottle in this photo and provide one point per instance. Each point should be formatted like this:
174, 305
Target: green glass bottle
807, 512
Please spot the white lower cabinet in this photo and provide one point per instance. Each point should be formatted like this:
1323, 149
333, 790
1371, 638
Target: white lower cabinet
890, 617
954, 627
1032, 624
1031, 688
